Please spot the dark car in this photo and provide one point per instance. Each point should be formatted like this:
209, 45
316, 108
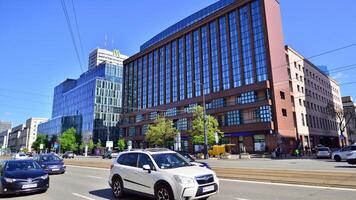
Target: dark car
22, 176
68, 154
51, 163
192, 160
109, 155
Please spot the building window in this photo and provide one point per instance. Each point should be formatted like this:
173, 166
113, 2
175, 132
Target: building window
303, 121
150, 73
284, 112
259, 143
246, 45
224, 54
282, 95
235, 56
216, 103
247, 97
155, 78
205, 60
144, 82
233, 118
214, 57
139, 83
264, 114
161, 76
196, 50
181, 69
168, 73
188, 58
174, 72
182, 124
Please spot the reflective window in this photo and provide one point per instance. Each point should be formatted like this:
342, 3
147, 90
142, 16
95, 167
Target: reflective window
181, 68
161, 76
233, 118
168, 73
196, 47
214, 57
144, 82
224, 54
155, 78
235, 55
149, 80
139, 83
205, 61
174, 72
188, 58
246, 49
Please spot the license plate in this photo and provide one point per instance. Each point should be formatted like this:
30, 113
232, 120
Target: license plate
55, 169
27, 186
208, 188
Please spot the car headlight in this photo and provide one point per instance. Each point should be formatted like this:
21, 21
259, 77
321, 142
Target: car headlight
44, 177
183, 180
9, 180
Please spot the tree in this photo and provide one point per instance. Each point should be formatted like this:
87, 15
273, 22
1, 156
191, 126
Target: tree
68, 140
343, 118
98, 144
81, 146
41, 139
197, 131
121, 144
161, 131
91, 145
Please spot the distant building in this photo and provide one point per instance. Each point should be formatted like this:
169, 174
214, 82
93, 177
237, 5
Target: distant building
4, 137
350, 106
4, 126
96, 97
311, 91
17, 138
99, 56
58, 125
32, 130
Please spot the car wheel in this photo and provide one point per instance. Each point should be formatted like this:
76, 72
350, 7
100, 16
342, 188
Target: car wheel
337, 158
117, 188
164, 193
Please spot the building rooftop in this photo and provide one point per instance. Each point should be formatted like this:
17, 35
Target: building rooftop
186, 22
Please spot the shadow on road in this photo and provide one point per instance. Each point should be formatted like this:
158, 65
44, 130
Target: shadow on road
107, 194
346, 166
21, 195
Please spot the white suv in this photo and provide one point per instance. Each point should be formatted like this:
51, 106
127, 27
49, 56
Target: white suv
162, 174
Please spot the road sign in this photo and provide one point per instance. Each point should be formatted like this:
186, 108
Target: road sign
41, 146
109, 144
56, 145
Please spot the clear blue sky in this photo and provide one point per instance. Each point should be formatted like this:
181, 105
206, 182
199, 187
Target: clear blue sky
36, 52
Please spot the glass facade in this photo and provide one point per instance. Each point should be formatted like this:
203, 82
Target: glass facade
95, 96
234, 45
188, 58
161, 76
181, 69
149, 81
224, 54
214, 57
168, 73
155, 78
246, 45
144, 83
205, 61
174, 72
58, 125
196, 47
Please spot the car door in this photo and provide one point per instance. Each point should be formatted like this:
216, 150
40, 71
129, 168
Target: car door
344, 152
128, 169
145, 179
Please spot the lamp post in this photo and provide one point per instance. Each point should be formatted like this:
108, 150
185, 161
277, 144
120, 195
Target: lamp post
204, 121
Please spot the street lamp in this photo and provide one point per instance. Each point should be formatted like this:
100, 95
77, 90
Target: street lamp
204, 115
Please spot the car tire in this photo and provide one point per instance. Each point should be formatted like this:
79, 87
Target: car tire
337, 158
163, 192
117, 187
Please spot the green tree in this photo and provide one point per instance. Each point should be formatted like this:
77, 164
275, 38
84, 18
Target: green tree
121, 144
40, 139
81, 146
197, 131
98, 144
161, 131
68, 140
91, 145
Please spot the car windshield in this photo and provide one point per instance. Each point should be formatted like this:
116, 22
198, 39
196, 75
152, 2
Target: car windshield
170, 160
323, 149
21, 165
49, 158
187, 156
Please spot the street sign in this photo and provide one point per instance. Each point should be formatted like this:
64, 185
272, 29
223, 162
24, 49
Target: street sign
109, 144
56, 145
129, 145
41, 146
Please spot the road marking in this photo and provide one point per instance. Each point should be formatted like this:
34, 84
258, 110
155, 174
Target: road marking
289, 185
240, 198
97, 177
82, 196
96, 168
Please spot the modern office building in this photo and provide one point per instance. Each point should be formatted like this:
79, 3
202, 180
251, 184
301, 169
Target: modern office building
232, 52
99, 56
311, 92
4, 126
32, 130
58, 125
94, 98
350, 113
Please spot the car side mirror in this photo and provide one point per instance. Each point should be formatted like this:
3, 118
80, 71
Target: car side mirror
146, 168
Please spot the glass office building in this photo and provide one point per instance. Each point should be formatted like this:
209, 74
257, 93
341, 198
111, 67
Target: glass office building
233, 53
94, 102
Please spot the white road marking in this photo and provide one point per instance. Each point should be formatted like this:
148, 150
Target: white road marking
82, 196
97, 177
289, 185
240, 198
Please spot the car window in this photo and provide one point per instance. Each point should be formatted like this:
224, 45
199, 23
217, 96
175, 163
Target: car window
130, 159
121, 159
170, 160
347, 148
144, 160
49, 158
323, 149
353, 148
21, 165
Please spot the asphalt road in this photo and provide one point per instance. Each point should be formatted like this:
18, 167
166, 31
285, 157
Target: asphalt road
91, 184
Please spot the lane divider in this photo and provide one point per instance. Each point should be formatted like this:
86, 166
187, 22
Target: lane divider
82, 196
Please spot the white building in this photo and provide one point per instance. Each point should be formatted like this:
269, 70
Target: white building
32, 127
4, 138
99, 56
311, 91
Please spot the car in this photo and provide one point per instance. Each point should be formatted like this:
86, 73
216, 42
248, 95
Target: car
20, 156
51, 163
22, 176
192, 160
162, 174
323, 152
341, 154
351, 158
68, 154
109, 155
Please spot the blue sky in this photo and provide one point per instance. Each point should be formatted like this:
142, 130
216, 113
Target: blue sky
36, 52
